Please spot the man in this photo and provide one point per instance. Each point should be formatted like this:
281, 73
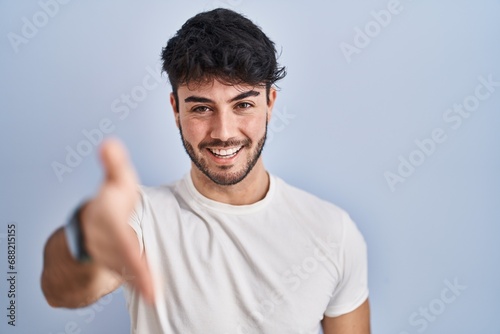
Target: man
229, 248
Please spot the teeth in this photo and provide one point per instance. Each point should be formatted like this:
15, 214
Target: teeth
225, 153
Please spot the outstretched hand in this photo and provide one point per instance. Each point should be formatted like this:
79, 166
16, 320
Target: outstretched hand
108, 238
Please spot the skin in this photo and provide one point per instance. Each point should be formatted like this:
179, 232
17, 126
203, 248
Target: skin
110, 241
215, 115
210, 117
355, 322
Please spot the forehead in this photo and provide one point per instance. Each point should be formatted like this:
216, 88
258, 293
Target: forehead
216, 89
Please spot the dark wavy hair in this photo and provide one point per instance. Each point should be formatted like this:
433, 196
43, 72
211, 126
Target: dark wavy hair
223, 45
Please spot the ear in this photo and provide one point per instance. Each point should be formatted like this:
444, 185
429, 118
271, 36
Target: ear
270, 104
173, 103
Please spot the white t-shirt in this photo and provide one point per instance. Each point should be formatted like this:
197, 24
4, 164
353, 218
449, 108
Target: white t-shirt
275, 266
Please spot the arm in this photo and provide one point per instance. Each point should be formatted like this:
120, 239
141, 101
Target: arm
68, 283
355, 322
109, 240
345, 316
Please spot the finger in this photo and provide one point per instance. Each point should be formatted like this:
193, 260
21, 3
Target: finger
141, 276
116, 163
145, 282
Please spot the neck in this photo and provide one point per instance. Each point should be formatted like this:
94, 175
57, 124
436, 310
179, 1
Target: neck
251, 189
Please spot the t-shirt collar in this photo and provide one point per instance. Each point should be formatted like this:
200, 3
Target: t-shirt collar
210, 204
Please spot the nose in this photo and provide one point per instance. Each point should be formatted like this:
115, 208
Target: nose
224, 125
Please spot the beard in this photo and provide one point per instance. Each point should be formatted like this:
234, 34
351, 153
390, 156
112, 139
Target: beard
221, 175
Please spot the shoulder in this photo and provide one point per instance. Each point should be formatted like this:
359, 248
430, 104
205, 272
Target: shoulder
320, 216
306, 201
160, 191
152, 197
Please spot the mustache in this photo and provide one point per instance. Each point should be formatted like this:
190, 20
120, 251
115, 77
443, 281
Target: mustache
223, 144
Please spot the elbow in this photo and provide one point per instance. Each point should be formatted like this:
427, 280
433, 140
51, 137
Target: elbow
48, 292
58, 297
53, 293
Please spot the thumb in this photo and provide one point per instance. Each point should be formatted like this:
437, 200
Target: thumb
116, 163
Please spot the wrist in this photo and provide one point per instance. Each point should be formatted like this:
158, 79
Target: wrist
75, 237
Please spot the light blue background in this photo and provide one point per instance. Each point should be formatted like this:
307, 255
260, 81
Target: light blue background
347, 124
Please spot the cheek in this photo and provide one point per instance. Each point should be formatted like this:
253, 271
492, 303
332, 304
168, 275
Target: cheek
192, 131
255, 128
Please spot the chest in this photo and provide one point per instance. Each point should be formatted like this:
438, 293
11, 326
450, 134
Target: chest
243, 274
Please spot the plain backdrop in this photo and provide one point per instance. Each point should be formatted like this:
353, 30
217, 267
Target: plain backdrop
368, 118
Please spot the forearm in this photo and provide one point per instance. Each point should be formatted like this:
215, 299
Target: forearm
68, 283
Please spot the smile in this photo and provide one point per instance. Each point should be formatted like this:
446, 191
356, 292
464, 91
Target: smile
225, 153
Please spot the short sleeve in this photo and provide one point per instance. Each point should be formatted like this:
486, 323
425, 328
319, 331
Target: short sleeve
352, 289
135, 220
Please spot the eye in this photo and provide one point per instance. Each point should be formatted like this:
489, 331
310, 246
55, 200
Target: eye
201, 109
244, 105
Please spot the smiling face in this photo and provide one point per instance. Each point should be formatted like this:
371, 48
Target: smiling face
223, 128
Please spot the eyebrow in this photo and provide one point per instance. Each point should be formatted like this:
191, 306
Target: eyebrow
241, 96
244, 95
